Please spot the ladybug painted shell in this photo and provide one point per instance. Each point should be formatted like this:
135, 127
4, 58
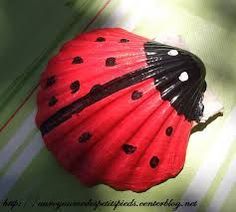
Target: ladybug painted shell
116, 108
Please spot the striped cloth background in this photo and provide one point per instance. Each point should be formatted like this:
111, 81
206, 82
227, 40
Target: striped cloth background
32, 31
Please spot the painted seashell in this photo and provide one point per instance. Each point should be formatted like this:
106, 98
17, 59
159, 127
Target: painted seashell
117, 108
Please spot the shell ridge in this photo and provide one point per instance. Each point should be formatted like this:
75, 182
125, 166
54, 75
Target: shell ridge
62, 90
94, 146
117, 151
75, 130
194, 72
106, 89
156, 136
133, 184
87, 118
190, 98
138, 129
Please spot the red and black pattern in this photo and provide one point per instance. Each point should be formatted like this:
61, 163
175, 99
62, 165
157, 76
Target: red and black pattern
113, 109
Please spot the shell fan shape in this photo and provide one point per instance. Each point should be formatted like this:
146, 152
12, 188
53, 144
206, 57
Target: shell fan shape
116, 108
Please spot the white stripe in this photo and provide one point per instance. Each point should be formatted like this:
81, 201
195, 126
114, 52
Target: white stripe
116, 15
224, 189
9, 178
17, 139
207, 172
125, 8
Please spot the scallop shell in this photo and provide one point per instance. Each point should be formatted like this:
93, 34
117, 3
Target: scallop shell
117, 108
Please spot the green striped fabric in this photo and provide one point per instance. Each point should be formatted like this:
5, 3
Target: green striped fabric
32, 31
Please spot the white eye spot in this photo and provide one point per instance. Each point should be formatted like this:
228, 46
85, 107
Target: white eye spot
173, 52
183, 76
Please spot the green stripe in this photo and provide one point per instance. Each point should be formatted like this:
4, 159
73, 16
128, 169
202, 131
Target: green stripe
23, 83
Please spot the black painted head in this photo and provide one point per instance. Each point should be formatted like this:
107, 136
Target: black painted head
179, 76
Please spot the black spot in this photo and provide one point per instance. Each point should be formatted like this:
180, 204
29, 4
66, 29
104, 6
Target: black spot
50, 81
129, 149
169, 131
110, 61
74, 86
77, 60
136, 95
123, 40
154, 162
100, 39
53, 100
85, 137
